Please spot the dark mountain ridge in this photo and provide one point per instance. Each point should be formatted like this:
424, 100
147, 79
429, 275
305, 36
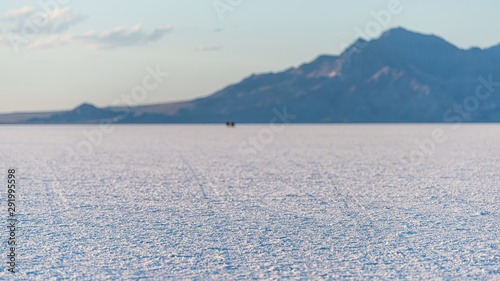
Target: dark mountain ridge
402, 76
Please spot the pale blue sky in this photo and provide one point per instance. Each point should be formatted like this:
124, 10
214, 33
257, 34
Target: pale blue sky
61, 65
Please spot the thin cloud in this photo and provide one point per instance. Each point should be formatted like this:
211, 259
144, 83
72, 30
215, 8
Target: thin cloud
159, 32
118, 37
32, 21
36, 29
51, 42
62, 19
20, 13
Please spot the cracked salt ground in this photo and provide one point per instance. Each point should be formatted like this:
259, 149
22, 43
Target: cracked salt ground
318, 202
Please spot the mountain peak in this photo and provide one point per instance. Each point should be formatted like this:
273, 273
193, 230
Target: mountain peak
400, 33
86, 106
397, 30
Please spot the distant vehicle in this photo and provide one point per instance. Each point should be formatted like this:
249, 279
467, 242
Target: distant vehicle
230, 124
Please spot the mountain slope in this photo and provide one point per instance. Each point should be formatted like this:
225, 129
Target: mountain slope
85, 113
493, 51
402, 76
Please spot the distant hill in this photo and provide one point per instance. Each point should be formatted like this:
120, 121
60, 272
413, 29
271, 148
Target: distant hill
402, 76
85, 113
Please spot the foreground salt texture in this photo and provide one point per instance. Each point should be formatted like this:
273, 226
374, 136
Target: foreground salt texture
322, 202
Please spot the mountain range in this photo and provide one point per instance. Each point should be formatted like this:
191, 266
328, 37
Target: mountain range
402, 76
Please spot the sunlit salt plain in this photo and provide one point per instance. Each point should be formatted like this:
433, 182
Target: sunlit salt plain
313, 202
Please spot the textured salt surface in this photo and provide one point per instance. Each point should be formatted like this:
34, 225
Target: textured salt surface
322, 202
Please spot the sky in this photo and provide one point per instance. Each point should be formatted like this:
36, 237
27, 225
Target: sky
58, 54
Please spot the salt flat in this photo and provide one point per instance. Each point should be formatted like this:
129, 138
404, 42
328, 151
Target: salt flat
313, 201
